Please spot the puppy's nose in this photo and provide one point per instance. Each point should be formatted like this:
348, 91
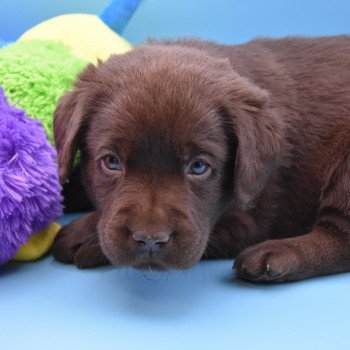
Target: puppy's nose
151, 241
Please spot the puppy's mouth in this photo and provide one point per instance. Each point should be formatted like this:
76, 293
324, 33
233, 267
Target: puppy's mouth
150, 266
151, 262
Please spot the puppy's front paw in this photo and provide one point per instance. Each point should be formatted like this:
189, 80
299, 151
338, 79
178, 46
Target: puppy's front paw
78, 243
270, 261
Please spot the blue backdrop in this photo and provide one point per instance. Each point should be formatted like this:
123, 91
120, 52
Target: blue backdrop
228, 21
47, 305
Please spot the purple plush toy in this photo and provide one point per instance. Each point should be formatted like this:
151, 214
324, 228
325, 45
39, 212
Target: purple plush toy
29, 188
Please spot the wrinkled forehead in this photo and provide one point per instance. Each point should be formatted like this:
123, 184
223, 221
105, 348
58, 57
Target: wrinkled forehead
154, 124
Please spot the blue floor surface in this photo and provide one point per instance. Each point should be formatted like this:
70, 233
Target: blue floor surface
48, 305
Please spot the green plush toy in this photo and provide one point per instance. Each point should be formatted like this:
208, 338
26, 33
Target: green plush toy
39, 68
35, 74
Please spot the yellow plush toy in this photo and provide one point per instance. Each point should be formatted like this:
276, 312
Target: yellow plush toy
39, 243
86, 35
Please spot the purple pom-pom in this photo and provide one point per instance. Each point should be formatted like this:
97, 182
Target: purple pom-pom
30, 193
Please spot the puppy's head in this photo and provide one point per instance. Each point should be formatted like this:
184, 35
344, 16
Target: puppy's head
169, 136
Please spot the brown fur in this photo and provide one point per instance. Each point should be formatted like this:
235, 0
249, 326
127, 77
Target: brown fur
271, 117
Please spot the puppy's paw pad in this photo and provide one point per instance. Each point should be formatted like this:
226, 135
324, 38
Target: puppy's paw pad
266, 262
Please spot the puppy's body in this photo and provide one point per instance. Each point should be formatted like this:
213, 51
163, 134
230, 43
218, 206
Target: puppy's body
277, 117
308, 81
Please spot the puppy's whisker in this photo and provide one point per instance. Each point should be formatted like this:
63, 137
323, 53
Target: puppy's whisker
218, 247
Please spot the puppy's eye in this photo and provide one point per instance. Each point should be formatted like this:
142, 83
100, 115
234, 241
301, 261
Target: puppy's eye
198, 167
111, 162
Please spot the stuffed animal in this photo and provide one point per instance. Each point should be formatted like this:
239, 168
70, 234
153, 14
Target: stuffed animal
34, 73
29, 189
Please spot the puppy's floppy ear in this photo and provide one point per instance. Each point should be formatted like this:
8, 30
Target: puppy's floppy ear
69, 117
259, 134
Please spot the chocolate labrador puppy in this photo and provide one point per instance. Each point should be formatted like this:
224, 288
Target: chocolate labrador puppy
191, 149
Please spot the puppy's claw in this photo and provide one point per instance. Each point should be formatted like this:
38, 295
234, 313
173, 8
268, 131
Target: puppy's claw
270, 261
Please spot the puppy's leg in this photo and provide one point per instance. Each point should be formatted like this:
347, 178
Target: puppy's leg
325, 250
320, 252
78, 243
